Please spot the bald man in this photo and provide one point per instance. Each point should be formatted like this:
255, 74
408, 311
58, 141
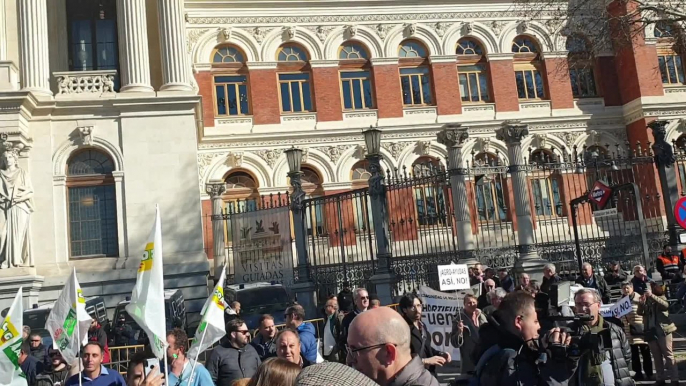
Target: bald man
379, 347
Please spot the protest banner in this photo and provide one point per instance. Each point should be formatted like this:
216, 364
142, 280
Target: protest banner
616, 310
437, 315
453, 277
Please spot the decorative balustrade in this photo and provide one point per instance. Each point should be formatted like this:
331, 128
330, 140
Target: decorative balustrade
79, 82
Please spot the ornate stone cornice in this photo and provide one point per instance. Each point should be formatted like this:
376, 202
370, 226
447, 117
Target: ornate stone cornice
399, 17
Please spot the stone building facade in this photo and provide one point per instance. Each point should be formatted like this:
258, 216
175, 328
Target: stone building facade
98, 97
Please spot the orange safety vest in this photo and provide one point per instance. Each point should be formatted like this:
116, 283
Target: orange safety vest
669, 263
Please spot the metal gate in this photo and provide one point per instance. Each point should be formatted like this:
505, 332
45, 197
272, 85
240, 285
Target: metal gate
616, 233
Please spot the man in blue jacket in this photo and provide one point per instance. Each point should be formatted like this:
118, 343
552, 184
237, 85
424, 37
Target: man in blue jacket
295, 319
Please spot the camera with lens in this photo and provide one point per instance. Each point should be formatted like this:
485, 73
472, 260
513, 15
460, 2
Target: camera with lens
583, 340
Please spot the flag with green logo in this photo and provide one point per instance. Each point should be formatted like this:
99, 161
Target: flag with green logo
10, 345
68, 321
211, 327
147, 299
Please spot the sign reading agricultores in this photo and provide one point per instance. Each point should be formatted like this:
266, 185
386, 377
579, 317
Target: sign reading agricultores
262, 249
453, 277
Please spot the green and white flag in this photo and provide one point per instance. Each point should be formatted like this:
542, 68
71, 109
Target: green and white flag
10, 345
68, 321
211, 328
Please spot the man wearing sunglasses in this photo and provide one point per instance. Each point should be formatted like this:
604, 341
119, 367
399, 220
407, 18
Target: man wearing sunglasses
361, 299
233, 358
379, 347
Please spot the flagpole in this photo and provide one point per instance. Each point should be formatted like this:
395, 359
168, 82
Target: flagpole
195, 363
166, 368
78, 331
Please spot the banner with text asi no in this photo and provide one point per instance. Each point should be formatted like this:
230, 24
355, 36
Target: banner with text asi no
437, 315
262, 249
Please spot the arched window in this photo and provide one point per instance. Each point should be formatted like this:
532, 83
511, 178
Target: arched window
527, 63
546, 189
668, 54
241, 191
92, 205
489, 185
312, 185
356, 79
362, 206
471, 68
581, 73
230, 82
430, 197
414, 74
295, 85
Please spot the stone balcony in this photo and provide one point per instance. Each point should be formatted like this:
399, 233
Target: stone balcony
85, 82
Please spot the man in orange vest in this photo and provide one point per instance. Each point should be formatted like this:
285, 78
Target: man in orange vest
668, 264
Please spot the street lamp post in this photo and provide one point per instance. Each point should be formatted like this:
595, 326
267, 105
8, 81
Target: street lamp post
377, 193
303, 287
665, 161
383, 279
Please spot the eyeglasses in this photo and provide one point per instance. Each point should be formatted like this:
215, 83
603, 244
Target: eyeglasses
353, 351
582, 306
35, 341
364, 297
244, 332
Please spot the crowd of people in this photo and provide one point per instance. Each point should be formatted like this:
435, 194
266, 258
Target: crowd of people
498, 333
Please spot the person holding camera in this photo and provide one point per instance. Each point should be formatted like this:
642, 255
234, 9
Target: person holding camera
658, 328
511, 352
609, 365
633, 328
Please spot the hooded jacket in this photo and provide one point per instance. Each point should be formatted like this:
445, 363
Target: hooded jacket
518, 366
308, 341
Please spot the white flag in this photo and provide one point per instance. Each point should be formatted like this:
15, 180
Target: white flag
147, 299
68, 321
10, 345
211, 327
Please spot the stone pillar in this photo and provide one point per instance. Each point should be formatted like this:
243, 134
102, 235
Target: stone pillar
3, 32
134, 59
454, 136
512, 133
215, 191
175, 63
33, 36
665, 162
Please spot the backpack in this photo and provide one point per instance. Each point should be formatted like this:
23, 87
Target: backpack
483, 361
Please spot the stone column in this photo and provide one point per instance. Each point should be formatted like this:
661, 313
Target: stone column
512, 133
33, 36
3, 32
134, 59
664, 161
454, 136
175, 63
215, 191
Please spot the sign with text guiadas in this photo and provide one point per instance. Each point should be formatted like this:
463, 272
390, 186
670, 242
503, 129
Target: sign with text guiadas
262, 249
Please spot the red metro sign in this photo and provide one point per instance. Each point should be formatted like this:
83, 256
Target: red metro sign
600, 194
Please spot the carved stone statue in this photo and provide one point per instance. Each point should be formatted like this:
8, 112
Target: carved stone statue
16, 206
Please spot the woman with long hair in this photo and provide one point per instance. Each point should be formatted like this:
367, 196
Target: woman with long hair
275, 372
658, 329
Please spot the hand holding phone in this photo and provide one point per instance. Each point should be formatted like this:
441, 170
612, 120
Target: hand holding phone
152, 363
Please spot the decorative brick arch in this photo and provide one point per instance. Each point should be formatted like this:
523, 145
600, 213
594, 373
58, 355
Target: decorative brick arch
202, 51
423, 34
304, 37
479, 32
364, 35
534, 30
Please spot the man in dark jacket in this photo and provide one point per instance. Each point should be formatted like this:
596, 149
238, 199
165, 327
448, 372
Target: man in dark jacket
590, 280
506, 281
331, 336
264, 341
30, 366
484, 300
361, 299
97, 334
597, 368
345, 299
615, 275
38, 349
233, 358
549, 277
379, 347
508, 353
420, 340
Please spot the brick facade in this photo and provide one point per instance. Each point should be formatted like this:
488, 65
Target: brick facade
327, 94
387, 91
503, 86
